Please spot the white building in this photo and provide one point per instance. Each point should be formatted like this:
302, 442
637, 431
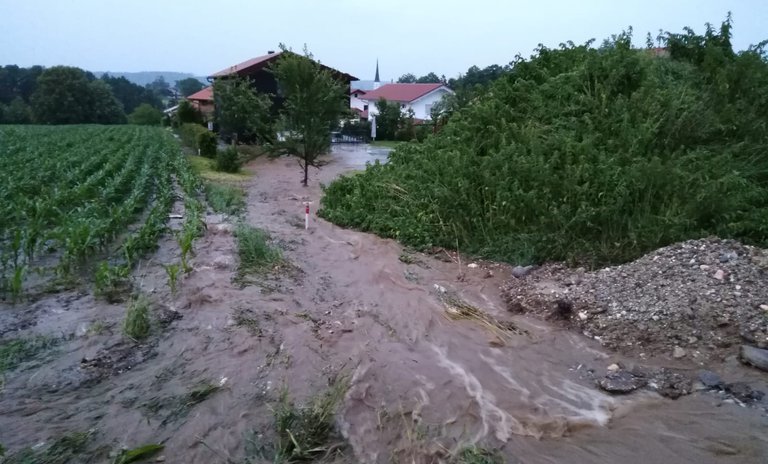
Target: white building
417, 97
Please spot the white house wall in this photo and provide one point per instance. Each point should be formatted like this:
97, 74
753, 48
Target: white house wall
355, 102
420, 106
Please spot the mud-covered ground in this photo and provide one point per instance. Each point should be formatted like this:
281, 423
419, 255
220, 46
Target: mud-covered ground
433, 360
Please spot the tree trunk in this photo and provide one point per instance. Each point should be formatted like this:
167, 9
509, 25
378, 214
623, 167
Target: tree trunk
306, 173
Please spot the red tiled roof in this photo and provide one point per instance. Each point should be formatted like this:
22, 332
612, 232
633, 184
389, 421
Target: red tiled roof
254, 64
261, 62
204, 95
362, 113
401, 92
361, 91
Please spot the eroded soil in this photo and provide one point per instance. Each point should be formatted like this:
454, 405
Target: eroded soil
424, 382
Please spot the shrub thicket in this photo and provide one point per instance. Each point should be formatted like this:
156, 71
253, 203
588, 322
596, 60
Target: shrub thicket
206, 143
189, 134
594, 155
227, 160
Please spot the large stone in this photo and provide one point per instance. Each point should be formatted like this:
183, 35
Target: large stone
754, 356
621, 382
678, 353
521, 271
710, 380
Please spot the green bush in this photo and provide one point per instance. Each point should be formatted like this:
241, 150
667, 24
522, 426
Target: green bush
189, 134
186, 113
583, 154
254, 249
225, 198
206, 143
227, 160
146, 115
136, 324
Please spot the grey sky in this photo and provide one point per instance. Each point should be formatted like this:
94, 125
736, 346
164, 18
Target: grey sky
418, 36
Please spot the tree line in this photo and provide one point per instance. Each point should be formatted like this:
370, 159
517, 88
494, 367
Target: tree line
70, 95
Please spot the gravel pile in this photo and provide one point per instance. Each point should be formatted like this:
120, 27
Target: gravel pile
697, 300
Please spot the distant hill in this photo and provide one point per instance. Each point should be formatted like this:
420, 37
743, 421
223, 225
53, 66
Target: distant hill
145, 77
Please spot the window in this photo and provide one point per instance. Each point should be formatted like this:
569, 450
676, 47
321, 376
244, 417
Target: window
365, 107
402, 105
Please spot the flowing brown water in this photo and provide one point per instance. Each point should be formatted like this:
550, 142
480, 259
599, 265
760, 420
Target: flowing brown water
422, 385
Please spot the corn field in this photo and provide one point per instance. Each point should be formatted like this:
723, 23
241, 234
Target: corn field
74, 194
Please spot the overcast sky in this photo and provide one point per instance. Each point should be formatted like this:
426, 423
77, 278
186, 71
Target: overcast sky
417, 36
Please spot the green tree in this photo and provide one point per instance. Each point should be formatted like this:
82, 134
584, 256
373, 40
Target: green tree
62, 96
104, 107
129, 94
242, 114
17, 112
186, 113
68, 95
388, 120
408, 78
146, 115
430, 78
160, 87
314, 102
188, 86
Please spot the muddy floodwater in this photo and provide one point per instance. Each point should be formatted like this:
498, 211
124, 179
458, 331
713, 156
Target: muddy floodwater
422, 385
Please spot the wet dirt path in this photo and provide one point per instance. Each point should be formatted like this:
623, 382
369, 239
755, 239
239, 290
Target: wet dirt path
422, 385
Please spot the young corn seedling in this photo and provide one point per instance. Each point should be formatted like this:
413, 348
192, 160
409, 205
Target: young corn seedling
172, 270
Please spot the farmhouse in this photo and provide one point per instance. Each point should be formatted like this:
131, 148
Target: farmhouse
257, 71
417, 97
203, 101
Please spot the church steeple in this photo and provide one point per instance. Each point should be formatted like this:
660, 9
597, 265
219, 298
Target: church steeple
376, 79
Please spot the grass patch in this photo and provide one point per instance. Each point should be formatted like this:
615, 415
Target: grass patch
256, 254
172, 408
303, 433
457, 309
138, 454
386, 143
224, 198
18, 350
476, 455
246, 319
137, 325
206, 168
64, 450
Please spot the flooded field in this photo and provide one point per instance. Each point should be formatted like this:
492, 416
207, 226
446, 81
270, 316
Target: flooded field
431, 359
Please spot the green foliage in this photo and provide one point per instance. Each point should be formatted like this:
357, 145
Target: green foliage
65, 95
131, 95
583, 154
476, 455
227, 160
66, 449
16, 82
254, 249
17, 112
14, 351
225, 198
388, 120
430, 78
172, 271
188, 86
111, 282
206, 143
137, 324
186, 113
138, 453
146, 115
189, 134
242, 114
314, 100
304, 433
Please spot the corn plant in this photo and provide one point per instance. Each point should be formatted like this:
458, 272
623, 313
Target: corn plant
172, 271
17, 282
